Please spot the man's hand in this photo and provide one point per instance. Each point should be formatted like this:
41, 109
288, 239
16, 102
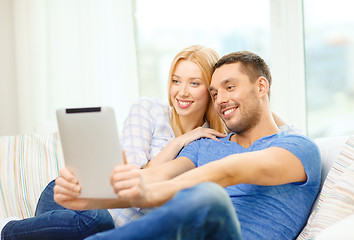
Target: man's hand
128, 184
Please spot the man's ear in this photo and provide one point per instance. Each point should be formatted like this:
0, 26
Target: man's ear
263, 86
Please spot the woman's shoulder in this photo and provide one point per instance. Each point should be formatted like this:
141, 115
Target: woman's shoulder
151, 103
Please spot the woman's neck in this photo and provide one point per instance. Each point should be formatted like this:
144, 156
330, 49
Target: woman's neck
190, 123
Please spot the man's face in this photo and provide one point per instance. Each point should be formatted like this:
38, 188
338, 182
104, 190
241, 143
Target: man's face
235, 98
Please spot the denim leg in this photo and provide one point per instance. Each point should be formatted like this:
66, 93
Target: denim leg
53, 221
201, 212
46, 201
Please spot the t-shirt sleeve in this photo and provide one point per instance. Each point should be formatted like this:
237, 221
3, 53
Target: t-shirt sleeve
306, 151
191, 151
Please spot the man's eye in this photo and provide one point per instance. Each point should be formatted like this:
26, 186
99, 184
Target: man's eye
230, 87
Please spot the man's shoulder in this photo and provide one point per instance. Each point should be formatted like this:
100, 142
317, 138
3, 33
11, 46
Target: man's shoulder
208, 142
294, 137
300, 145
293, 142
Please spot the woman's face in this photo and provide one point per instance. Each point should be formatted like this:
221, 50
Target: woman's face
188, 92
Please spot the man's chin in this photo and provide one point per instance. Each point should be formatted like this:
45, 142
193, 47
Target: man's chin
238, 127
231, 126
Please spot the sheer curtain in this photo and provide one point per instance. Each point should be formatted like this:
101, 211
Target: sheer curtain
73, 53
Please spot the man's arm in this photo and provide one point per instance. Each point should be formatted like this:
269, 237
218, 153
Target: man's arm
272, 166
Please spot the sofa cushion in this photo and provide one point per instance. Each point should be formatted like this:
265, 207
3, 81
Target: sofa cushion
27, 164
330, 148
340, 230
344, 160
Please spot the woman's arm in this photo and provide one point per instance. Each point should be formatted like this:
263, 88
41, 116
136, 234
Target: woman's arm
174, 147
278, 121
283, 126
137, 132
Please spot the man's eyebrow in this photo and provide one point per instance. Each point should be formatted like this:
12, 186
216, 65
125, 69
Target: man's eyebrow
224, 82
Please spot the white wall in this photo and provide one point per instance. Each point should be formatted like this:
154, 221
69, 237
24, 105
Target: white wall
288, 97
8, 93
63, 53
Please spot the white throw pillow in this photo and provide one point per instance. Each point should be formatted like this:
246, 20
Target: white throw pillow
27, 164
342, 230
335, 201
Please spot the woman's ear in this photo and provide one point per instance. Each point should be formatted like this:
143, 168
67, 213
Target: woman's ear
263, 86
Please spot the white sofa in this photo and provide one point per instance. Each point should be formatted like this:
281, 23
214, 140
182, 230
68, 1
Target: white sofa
29, 162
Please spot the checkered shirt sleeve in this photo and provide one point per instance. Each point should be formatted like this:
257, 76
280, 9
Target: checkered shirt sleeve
146, 131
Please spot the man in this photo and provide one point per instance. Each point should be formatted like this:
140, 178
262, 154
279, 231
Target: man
271, 178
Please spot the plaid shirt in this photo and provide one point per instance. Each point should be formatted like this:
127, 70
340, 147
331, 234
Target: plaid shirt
146, 131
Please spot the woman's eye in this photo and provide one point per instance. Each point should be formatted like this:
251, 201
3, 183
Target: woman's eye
175, 81
195, 83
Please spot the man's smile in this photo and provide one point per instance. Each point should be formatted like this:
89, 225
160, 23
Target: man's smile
228, 111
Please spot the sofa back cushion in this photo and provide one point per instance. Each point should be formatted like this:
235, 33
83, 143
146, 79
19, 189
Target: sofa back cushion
343, 162
27, 164
332, 162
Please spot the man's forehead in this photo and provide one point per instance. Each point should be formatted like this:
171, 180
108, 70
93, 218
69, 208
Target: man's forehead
225, 74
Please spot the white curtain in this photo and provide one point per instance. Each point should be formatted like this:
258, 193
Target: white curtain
73, 53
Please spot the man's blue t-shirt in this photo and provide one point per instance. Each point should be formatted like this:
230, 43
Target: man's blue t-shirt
267, 212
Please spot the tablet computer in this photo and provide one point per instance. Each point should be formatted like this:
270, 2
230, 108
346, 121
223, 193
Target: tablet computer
91, 148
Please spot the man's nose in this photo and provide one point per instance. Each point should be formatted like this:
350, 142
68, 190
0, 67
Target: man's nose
221, 98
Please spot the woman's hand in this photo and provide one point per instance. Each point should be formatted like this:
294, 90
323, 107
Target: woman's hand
67, 190
174, 147
199, 132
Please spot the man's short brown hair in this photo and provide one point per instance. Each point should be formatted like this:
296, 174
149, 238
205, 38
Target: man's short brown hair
252, 65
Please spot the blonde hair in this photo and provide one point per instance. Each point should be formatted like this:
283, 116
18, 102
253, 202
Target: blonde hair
205, 58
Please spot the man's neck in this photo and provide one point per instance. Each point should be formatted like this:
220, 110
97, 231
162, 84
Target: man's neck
265, 127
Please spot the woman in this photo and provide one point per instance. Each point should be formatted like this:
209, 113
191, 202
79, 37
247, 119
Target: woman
154, 132
149, 128
157, 124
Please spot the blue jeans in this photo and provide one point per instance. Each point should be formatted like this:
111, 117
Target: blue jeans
201, 212
53, 221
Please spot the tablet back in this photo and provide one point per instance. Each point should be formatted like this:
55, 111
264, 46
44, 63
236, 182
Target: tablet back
91, 148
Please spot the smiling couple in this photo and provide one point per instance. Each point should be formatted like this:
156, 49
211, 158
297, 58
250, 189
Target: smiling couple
257, 182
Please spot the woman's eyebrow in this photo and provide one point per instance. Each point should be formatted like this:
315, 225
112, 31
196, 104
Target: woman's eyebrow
190, 78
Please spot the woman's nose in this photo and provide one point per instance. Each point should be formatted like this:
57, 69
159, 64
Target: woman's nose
183, 90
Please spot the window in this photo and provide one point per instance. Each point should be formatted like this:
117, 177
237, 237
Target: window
324, 34
163, 28
329, 53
